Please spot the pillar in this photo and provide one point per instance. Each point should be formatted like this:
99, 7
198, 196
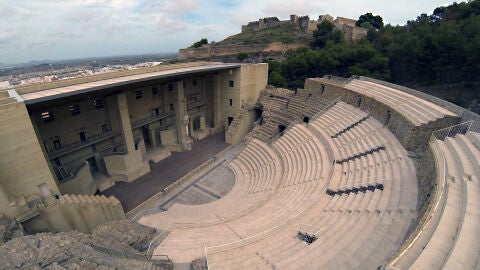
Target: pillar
153, 137
125, 125
217, 104
182, 117
202, 123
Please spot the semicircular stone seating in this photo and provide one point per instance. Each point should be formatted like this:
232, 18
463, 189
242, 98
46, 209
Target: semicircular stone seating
344, 224
345, 179
416, 110
450, 239
281, 188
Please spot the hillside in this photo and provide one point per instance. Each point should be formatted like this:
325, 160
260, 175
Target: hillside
285, 33
437, 53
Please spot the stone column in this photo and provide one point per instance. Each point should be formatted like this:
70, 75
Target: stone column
202, 123
125, 125
217, 104
182, 117
153, 137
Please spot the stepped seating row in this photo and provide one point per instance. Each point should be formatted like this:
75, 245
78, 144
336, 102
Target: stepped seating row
366, 226
339, 117
450, 239
236, 121
183, 244
305, 165
257, 171
357, 122
265, 131
416, 110
344, 225
303, 153
361, 154
280, 111
298, 102
284, 204
317, 103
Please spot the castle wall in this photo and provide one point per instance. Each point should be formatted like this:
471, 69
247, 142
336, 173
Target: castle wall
351, 33
218, 51
345, 21
194, 53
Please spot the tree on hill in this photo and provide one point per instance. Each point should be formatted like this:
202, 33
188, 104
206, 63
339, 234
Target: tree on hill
199, 43
325, 31
369, 21
440, 52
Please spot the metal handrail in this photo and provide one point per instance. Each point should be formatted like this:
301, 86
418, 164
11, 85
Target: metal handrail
462, 128
73, 146
322, 111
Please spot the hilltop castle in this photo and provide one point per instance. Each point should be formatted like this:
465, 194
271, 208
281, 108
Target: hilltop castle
304, 24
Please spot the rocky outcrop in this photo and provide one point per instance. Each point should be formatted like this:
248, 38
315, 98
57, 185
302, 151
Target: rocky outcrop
117, 244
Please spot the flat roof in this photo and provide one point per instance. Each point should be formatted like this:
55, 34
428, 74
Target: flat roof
71, 90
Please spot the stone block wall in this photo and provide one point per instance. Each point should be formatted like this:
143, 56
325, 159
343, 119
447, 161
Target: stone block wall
413, 138
76, 212
81, 183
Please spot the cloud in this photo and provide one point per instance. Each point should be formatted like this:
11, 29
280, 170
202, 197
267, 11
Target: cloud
52, 29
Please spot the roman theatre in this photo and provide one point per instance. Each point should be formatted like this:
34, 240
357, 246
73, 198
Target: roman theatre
347, 173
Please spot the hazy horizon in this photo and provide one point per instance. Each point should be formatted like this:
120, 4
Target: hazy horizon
61, 30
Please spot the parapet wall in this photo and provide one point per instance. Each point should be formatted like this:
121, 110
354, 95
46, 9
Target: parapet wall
413, 138
214, 51
466, 114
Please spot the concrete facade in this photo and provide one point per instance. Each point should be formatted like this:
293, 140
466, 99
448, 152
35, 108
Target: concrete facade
79, 139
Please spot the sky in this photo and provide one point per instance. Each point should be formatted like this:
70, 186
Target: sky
70, 29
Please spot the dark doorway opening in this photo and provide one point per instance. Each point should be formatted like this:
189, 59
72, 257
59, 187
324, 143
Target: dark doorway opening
56, 144
146, 135
83, 138
359, 101
258, 114
306, 119
389, 115
92, 163
230, 120
281, 128
196, 123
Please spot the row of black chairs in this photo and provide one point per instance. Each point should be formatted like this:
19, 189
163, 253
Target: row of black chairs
349, 127
355, 190
359, 155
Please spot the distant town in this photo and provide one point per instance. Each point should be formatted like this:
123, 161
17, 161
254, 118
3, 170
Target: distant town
47, 71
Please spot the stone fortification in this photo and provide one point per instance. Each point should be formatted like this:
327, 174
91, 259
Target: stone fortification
306, 25
218, 51
302, 24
